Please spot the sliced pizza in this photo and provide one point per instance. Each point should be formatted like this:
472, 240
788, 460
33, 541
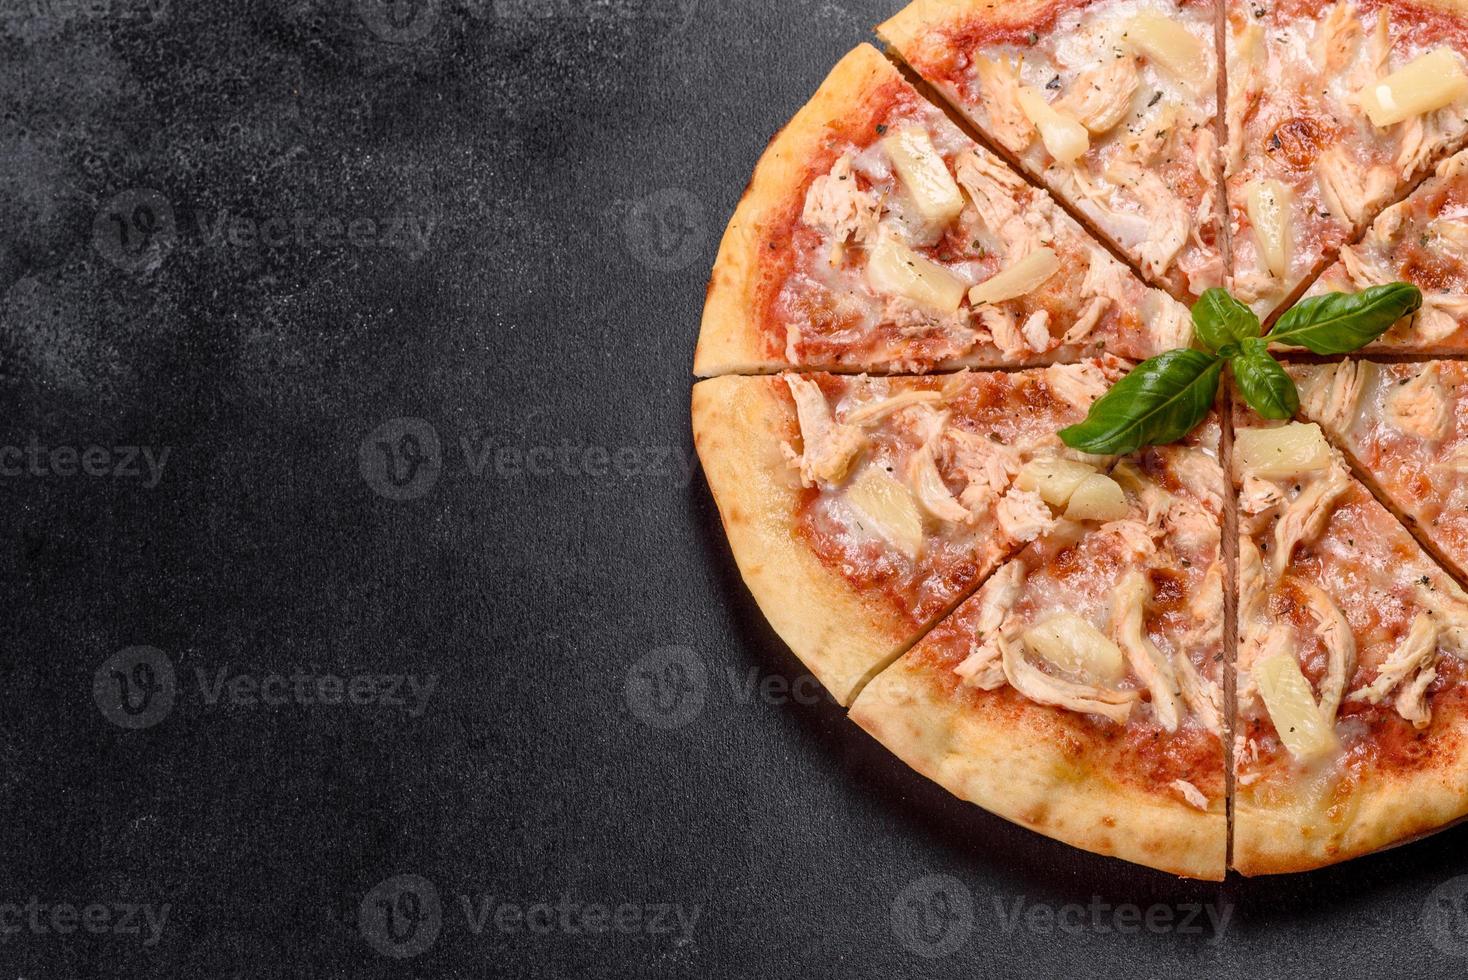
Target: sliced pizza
1080, 691
875, 236
1422, 240
1406, 426
861, 509
1109, 103
1331, 114
1351, 729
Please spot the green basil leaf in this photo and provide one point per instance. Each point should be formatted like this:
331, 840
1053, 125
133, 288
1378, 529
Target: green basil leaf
1219, 319
1338, 323
1265, 385
1160, 401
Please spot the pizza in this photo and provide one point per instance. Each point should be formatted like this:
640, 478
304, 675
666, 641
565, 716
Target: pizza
1405, 426
1080, 691
1244, 649
1331, 112
1351, 729
1109, 103
861, 508
1422, 240
876, 236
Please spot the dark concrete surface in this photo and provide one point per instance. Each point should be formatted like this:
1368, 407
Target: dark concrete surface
365, 613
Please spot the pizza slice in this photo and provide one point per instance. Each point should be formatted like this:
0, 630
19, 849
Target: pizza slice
1111, 104
1080, 691
1406, 426
876, 236
1351, 732
861, 509
1331, 114
1422, 240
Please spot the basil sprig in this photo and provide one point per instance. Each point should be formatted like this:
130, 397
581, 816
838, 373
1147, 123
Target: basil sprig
1220, 320
1165, 397
1263, 383
1338, 323
1158, 402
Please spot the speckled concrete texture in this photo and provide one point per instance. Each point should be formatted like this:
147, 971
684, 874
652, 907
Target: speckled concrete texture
365, 612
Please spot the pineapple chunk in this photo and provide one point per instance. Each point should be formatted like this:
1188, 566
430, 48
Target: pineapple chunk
1269, 206
1027, 274
1075, 646
889, 506
1063, 137
1098, 498
1302, 727
1282, 452
923, 172
1425, 83
1055, 479
894, 268
1171, 47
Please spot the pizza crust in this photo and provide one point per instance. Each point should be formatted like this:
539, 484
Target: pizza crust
1386, 810
843, 635
1025, 766
920, 30
731, 339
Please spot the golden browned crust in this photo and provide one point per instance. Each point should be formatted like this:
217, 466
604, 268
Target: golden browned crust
1285, 833
1023, 767
922, 31
731, 339
840, 633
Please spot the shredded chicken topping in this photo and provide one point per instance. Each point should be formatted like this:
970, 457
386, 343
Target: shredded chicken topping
830, 446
